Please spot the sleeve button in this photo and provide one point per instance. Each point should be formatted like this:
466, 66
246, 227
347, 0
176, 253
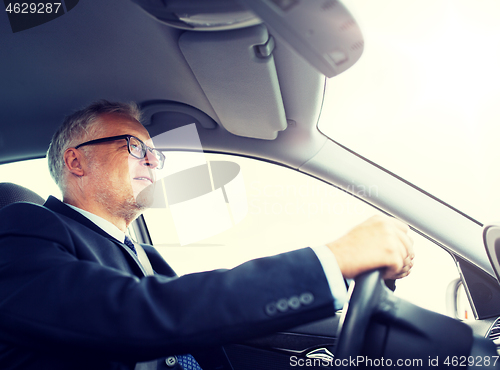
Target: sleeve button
271, 309
282, 305
294, 302
306, 298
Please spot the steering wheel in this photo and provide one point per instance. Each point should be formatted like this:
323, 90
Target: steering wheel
369, 291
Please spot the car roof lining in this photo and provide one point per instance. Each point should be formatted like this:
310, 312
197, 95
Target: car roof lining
124, 54
65, 64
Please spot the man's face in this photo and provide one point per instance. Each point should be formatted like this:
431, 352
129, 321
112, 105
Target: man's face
119, 180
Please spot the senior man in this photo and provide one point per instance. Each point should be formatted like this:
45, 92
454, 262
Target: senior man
76, 293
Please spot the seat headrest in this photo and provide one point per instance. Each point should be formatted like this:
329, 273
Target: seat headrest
11, 193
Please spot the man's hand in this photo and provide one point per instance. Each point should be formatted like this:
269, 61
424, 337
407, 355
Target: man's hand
376, 243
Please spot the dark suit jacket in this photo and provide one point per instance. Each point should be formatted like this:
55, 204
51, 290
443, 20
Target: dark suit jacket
73, 297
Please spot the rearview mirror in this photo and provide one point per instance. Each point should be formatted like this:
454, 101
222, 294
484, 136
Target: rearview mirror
323, 32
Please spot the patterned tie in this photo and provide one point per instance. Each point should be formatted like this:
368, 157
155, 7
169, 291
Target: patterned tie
188, 362
129, 243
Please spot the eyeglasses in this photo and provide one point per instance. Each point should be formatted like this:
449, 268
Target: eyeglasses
136, 147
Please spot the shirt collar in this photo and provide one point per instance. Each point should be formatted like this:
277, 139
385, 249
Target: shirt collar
102, 223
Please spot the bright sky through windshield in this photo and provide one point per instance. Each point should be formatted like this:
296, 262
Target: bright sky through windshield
423, 100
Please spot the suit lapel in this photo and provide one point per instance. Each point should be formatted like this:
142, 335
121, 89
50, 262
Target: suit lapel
57, 206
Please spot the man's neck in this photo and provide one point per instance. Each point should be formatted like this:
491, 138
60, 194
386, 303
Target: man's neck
97, 210
105, 225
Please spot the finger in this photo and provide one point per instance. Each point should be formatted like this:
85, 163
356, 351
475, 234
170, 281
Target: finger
400, 224
407, 243
402, 275
405, 270
394, 269
411, 249
399, 268
398, 275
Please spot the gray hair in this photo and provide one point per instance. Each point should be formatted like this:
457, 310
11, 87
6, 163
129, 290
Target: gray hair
79, 126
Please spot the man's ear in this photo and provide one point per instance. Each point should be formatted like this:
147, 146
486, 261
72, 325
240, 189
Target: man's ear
73, 161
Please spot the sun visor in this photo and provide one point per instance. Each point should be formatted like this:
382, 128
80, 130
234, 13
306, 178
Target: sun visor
236, 71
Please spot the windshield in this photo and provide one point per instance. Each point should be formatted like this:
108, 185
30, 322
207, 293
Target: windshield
423, 100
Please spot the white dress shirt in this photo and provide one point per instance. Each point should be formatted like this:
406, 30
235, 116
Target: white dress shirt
102, 223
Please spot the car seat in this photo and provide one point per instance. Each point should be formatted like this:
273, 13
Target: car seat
12, 193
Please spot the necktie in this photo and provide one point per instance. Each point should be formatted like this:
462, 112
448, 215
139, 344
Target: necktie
188, 362
128, 242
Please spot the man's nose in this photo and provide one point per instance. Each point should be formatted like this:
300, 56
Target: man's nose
150, 160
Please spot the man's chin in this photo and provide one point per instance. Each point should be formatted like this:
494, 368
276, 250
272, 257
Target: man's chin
145, 198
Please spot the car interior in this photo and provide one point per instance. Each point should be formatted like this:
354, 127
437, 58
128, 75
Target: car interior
252, 76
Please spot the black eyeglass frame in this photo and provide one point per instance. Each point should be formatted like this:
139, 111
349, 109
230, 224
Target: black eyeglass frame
159, 155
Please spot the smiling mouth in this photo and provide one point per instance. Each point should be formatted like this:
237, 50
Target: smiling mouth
144, 179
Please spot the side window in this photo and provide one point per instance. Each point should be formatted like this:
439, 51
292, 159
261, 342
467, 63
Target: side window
287, 210
32, 174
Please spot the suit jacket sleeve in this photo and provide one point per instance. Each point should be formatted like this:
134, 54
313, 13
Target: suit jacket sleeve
60, 290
